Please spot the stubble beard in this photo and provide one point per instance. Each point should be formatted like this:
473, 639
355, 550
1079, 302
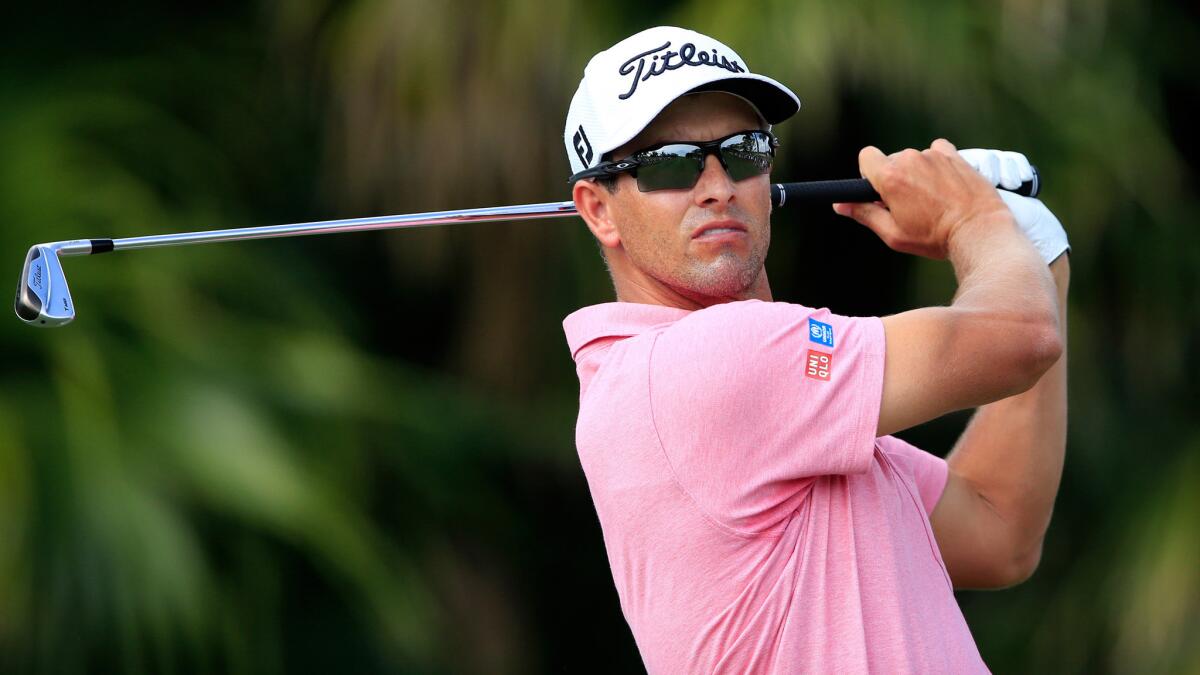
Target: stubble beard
727, 275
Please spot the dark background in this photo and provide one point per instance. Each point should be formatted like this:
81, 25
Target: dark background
355, 453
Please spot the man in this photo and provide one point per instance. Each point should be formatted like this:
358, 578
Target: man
757, 514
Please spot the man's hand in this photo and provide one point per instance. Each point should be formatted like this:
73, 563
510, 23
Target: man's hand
1008, 170
1039, 224
927, 195
1002, 168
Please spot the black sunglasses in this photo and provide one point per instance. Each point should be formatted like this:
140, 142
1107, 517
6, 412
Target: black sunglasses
677, 165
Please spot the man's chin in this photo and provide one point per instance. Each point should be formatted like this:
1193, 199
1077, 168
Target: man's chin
723, 284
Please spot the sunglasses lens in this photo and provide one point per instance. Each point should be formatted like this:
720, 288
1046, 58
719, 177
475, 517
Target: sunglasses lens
747, 155
672, 167
678, 166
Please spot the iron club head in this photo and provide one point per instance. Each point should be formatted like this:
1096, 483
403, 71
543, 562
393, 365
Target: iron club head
43, 298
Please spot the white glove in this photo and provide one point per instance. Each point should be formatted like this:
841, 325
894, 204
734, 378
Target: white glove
1008, 170
1002, 168
1041, 226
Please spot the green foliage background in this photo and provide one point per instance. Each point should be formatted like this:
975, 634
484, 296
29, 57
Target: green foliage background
355, 453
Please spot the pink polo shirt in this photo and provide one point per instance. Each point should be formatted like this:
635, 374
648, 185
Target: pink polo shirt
753, 521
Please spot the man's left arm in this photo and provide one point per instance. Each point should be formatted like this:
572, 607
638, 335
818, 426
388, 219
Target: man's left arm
1004, 474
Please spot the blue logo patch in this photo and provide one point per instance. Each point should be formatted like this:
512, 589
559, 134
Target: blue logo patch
820, 333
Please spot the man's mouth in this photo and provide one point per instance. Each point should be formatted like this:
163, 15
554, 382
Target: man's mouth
719, 229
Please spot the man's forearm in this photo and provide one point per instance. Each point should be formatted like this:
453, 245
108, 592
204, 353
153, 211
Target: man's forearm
1012, 450
1006, 292
998, 269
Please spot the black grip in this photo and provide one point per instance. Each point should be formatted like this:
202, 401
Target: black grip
823, 192
855, 190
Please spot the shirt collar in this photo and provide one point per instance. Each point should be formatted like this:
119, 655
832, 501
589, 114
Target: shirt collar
615, 319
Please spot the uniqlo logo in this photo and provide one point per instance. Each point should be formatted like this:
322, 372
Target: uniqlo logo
818, 365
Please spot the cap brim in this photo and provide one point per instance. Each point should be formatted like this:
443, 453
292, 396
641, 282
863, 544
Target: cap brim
774, 101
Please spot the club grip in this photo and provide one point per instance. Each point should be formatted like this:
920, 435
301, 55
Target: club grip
856, 190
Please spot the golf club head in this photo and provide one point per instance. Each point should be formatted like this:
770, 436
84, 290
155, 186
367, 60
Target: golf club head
43, 298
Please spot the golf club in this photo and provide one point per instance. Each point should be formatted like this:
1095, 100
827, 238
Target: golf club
43, 298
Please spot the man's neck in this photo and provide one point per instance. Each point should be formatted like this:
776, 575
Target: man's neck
641, 288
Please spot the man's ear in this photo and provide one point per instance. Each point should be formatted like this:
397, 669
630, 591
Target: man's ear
593, 202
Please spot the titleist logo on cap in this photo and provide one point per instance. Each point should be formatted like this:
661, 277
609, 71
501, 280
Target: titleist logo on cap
614, 105
687, 55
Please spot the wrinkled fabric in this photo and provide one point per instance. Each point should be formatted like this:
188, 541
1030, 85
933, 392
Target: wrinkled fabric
753, 521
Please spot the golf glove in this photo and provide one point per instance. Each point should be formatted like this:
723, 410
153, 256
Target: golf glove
1008, 170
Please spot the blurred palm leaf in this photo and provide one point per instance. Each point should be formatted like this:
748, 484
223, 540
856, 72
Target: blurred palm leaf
252, 458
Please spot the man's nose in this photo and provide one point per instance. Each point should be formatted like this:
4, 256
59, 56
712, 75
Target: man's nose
715, 185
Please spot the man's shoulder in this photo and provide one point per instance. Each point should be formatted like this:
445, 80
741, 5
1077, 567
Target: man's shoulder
615, 320
742, 310
748, 318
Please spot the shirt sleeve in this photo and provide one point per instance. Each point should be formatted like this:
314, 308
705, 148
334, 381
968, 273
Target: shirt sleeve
752, 400
928, 471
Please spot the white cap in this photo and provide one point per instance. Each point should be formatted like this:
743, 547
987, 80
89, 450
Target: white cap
625, 87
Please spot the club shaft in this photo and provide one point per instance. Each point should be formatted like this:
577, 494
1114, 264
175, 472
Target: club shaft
518, 212
853, 190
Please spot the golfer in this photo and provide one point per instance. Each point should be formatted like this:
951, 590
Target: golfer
757, 514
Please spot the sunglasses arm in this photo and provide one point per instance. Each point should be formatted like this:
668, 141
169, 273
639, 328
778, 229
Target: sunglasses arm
601, 170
